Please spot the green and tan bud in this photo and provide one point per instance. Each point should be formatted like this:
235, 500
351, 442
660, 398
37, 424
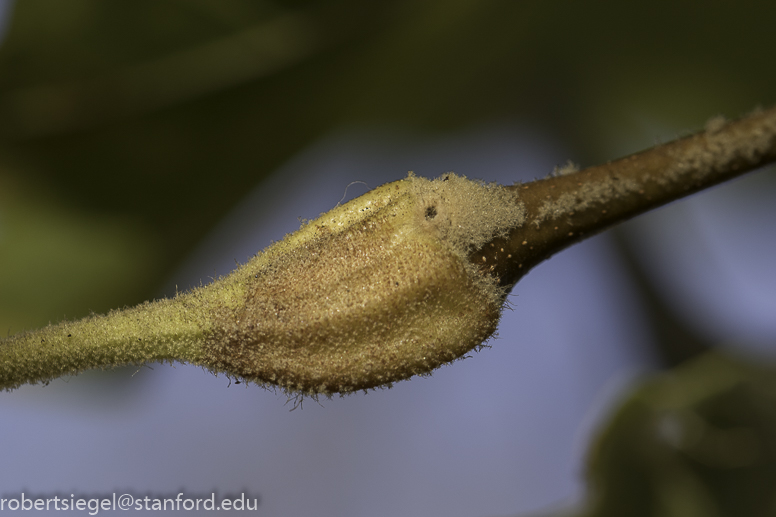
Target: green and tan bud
372, 292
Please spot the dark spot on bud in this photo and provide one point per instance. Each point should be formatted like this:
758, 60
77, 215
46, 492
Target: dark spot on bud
431, 212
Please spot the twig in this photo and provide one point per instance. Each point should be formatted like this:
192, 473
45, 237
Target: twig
563, 210
386, 286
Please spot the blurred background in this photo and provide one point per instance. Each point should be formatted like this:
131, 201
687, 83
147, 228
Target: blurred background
148, 145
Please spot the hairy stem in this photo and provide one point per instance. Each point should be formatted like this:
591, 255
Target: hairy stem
563, 210
164, 330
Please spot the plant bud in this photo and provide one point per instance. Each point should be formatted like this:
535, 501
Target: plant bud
372, 292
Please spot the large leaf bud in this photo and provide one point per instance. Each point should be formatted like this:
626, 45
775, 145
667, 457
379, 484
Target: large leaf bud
372, 292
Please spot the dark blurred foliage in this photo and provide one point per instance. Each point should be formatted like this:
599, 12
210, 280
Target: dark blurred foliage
129, 128
698, 440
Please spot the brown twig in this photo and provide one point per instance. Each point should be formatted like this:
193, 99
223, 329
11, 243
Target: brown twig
565, 209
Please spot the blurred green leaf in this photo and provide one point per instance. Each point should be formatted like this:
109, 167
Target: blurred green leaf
699, 440
52, 256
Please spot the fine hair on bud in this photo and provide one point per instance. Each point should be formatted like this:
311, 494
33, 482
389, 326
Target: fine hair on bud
375, 291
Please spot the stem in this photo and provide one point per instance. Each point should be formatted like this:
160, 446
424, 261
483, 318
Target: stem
163, 330
563, 210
